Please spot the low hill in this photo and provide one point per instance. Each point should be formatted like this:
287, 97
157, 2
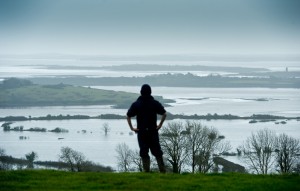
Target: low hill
61, 180
23, 93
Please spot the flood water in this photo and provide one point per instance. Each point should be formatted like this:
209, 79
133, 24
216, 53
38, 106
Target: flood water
88, 137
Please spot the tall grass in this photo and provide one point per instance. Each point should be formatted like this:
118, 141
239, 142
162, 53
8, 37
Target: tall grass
59, 180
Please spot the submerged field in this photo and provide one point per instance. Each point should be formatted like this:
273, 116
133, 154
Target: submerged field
59, 180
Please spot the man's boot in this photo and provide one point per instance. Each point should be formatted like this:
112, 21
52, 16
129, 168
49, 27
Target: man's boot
146, 164
161, 164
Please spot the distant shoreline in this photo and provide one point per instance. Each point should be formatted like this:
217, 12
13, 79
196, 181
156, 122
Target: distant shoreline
254, 118
274, 80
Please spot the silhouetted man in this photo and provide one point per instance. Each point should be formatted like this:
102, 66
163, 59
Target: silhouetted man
146, 108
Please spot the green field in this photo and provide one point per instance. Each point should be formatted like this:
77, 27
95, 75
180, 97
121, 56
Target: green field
59, 180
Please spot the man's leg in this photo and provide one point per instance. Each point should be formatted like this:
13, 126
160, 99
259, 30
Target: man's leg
157, 152
146, 164
161, 164
144, 150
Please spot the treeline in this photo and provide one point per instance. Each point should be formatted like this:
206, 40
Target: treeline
178, 80
7, 127
61, 117
158, 67
216, 116
258, 117
69, 159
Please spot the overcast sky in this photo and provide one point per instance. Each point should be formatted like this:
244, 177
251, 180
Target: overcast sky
147, 27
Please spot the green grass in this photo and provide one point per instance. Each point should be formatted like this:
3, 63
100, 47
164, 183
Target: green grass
59, 180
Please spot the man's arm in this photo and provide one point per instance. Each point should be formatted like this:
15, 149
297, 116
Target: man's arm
130, 125
163, 117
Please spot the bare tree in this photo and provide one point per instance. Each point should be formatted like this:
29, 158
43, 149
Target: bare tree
192, 144
137, 160
202, 144
211, 144
31, 157
173, 142
287, 153
3, 165
74, 159
106, 128
124, 157
129, 160
258, 150
66, 156
195, 136
2, 152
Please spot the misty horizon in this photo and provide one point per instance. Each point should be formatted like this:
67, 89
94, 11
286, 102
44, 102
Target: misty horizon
128, 28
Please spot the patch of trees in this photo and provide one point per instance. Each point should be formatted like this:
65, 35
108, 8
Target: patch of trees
48, 117
111, 116
59, 130
189, 145
265, 151
196, 148
61, 117
192, 144
7, 127
7, 162
15, 83
74, 159
69, 159
77, 162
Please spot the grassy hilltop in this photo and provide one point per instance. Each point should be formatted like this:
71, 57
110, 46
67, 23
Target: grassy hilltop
60, 180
